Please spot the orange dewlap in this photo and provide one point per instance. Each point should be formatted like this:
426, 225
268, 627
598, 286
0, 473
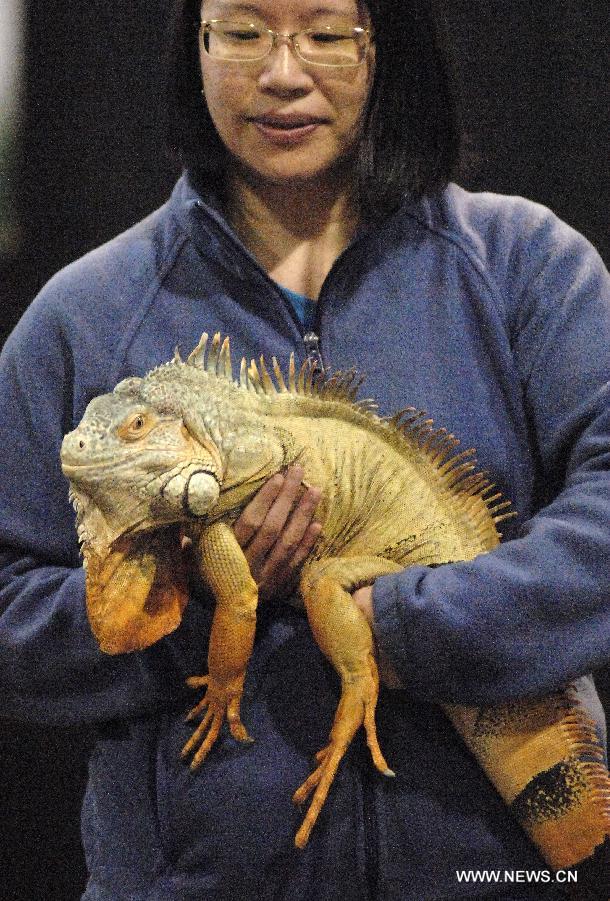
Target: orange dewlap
137, 593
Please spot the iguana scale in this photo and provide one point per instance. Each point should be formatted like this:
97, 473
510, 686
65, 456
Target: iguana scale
183, 450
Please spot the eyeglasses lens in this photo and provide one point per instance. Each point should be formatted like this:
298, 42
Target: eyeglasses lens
326, 46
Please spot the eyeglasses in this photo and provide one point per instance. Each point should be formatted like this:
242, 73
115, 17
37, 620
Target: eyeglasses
327, 45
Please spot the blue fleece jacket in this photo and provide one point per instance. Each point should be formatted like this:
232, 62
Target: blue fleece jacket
494, 317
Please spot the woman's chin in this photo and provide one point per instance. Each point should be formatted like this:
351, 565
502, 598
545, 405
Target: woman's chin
291, 172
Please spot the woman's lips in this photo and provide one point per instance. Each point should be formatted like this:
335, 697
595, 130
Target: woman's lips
286, 131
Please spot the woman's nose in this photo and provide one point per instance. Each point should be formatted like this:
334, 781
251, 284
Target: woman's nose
283, 70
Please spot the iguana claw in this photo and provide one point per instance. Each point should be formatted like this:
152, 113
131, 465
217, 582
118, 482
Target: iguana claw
217, 703
356, 708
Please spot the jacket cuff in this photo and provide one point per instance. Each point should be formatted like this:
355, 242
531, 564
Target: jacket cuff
398, 620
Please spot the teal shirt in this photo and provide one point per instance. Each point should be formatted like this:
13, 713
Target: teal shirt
304, 307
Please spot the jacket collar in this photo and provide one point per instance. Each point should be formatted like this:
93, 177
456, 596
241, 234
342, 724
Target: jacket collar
199, 210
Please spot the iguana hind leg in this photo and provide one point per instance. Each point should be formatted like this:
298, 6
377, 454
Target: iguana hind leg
226, 570
344, 636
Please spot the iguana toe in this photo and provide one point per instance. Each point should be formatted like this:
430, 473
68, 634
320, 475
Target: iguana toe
218, 703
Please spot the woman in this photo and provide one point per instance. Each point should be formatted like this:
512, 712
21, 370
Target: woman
315, 217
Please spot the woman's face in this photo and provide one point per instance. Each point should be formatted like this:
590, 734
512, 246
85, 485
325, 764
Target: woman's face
283, 119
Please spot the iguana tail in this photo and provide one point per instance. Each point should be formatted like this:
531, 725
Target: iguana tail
547, 761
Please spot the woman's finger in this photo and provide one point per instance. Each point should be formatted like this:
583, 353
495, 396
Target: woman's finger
275, 519
279, 582
253, 515
289, 550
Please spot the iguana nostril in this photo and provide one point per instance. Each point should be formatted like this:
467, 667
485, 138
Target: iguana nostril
81, 444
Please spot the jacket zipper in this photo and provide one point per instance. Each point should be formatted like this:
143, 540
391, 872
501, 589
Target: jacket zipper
311, 339
312, 348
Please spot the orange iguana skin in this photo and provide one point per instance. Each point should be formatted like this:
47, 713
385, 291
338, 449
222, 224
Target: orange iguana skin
191, 447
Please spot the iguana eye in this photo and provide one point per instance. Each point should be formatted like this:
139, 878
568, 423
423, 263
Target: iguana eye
136, 426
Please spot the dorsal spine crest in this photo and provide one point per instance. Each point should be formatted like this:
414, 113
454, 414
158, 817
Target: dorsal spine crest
336, 395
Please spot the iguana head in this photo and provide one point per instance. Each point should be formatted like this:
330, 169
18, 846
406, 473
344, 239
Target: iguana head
181, 444
139, 464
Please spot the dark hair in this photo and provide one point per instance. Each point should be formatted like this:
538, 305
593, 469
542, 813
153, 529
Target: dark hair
411, 140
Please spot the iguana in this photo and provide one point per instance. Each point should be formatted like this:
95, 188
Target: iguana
182, 451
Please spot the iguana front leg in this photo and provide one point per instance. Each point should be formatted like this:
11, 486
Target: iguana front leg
225, 569
344, 636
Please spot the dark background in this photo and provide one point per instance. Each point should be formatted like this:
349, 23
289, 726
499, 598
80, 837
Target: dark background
536, 110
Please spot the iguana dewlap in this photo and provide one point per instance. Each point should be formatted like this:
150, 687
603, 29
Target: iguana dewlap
185, 448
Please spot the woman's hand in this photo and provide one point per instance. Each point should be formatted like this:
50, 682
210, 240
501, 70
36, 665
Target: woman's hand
277, 531
363, 598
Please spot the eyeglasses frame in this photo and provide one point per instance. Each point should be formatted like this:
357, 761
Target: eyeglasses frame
204, 27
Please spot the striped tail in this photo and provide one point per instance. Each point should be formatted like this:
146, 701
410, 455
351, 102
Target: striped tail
547, 761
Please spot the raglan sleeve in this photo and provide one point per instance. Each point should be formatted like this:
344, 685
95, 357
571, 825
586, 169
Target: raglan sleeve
534, 613
51, 670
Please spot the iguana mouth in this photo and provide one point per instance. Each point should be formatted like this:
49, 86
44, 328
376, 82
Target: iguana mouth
79, 470
182, 493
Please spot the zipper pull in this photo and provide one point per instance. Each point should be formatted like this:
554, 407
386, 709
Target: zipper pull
312, 348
